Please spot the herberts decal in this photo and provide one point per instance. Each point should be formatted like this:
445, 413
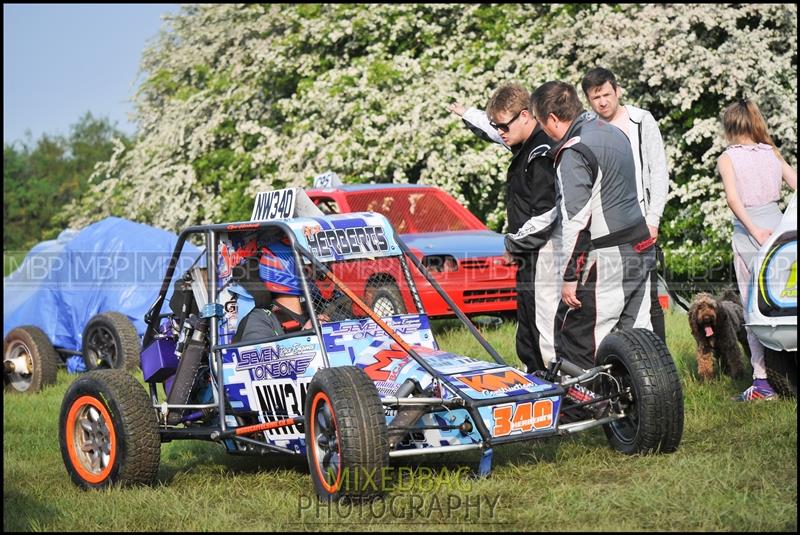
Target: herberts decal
495, 381
522, 418
354, 240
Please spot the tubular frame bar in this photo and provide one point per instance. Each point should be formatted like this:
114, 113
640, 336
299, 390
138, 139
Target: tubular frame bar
574, 427
265, 445
435, 449
211, 247
393, 401
471, 326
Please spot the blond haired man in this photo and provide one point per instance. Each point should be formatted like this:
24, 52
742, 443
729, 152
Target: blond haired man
530, 213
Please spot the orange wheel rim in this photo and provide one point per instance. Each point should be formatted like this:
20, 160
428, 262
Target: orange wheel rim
325, 437
91, 439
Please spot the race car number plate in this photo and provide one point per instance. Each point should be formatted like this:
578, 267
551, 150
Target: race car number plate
512, 419
274, 205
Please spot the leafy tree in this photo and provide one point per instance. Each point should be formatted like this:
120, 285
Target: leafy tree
239, 99
39, 181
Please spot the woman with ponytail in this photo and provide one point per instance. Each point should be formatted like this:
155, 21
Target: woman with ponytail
752, 170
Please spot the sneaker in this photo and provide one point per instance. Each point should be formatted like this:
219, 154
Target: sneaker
757, 392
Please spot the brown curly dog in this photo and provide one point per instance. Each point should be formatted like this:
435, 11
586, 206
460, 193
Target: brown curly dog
717, 325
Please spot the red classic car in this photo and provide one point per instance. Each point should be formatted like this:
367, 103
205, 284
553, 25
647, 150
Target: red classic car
460, 252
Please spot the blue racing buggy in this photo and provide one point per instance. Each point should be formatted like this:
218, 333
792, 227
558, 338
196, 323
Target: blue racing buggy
334, 380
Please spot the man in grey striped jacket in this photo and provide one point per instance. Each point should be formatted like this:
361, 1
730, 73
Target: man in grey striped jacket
606, 244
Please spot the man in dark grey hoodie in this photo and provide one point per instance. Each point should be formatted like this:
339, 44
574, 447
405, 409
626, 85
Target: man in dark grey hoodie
606, 245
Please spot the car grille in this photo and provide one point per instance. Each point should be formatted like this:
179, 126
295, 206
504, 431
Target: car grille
475, 263
492, 295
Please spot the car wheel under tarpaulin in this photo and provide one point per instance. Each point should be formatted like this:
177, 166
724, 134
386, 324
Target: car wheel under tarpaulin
29, 360
110, 341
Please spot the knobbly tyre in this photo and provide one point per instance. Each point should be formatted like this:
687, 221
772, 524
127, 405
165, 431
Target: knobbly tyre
349, 388
31, 361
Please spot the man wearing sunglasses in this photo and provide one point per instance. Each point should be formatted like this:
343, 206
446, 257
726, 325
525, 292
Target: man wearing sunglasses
530, 213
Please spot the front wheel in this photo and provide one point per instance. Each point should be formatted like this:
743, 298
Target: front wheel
346, 434
108, 431
643, 369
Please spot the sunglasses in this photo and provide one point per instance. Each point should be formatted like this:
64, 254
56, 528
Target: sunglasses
504, 127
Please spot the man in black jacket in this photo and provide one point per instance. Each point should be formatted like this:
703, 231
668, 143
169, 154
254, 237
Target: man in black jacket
531, 215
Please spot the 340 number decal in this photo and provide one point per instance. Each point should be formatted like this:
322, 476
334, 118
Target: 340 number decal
522, 418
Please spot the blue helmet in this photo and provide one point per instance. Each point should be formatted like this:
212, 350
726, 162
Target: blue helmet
277, 269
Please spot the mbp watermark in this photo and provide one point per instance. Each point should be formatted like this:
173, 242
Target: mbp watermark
86, 269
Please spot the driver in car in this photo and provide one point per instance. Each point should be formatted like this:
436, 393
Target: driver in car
269, 277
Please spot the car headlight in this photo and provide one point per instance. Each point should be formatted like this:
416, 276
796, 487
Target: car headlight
440, 263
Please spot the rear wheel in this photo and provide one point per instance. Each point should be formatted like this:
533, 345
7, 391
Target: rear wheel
29, 360
108, 431
653, 406
782, 371
110, 341
346, 435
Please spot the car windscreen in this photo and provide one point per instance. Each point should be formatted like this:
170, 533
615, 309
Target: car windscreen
411, 210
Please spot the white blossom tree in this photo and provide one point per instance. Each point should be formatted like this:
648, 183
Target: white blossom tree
243, 98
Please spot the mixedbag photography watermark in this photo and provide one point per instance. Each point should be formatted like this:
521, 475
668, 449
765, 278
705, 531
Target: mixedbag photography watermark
408, 506
411, 494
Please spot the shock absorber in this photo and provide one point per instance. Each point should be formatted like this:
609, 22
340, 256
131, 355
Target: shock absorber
191, 356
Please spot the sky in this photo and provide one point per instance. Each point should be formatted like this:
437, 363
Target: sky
62, 60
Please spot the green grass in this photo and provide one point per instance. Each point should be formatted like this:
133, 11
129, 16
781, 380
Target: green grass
735, 470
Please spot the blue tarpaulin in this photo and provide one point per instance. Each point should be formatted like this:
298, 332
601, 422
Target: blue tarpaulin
112, 265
